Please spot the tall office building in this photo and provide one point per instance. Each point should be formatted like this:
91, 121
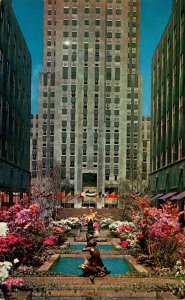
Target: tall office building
90, 92
15, 106
33, 145
168, 100
146, 129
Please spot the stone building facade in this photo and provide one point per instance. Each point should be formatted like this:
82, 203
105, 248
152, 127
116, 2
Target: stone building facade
90, 92
168, 102
33, 145
15, 105
146, 128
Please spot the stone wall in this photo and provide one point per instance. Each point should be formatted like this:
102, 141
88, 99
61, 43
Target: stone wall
114, 213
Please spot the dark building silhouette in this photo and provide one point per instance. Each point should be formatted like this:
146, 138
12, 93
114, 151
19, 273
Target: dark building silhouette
168, 103
15, 91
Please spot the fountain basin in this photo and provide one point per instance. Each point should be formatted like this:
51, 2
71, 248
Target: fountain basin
100, 247
70, 265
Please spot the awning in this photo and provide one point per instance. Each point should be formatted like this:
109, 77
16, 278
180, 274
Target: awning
167, 196
156, 196
179, 196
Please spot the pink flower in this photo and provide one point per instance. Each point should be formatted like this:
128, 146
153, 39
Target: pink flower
48, 242
57, 229
17, 282
35, 208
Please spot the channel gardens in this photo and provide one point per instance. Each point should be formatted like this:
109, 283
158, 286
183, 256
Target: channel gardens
42, 256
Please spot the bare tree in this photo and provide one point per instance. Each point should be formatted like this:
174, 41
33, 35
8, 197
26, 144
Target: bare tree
47, 186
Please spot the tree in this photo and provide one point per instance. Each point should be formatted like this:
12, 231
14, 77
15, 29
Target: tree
46, 187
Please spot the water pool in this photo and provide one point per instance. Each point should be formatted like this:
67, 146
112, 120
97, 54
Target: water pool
100, 247
69, 265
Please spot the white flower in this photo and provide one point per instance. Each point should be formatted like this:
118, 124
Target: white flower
5, 267
3, 228
16, 261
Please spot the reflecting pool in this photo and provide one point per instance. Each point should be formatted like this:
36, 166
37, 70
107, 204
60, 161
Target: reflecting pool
70, 265
100, 247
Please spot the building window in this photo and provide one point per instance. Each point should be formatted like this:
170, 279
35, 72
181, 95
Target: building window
118, 11
66, 22
74, 34
117, 47
86, 22
66, 10
109, 11
118, 35
86, 10
65, 34
109, 23
118, 23
74, 11
109, 35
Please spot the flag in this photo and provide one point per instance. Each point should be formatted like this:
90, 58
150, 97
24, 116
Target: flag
68, 195
112, 196
61, 194
74, 196
83, 194
91, 194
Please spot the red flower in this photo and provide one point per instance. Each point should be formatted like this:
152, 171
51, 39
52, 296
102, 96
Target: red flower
124, 244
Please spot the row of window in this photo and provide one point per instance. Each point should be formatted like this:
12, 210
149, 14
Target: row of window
74, 22
73, 91
74, 34
109, 46
107, 176
74, 10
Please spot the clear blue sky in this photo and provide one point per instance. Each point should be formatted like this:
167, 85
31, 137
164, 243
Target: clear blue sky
154, 17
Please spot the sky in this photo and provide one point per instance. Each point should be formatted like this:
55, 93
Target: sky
154, 18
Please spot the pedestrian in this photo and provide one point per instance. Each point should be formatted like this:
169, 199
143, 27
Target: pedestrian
96, 229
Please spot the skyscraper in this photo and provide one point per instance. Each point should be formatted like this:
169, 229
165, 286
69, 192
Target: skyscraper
33, 145
15, 107
146, 128
168, 100
90, 92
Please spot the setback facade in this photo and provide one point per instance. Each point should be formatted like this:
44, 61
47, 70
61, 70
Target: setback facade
90, 93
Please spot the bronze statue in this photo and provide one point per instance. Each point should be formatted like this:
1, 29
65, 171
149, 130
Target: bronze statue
93, 265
